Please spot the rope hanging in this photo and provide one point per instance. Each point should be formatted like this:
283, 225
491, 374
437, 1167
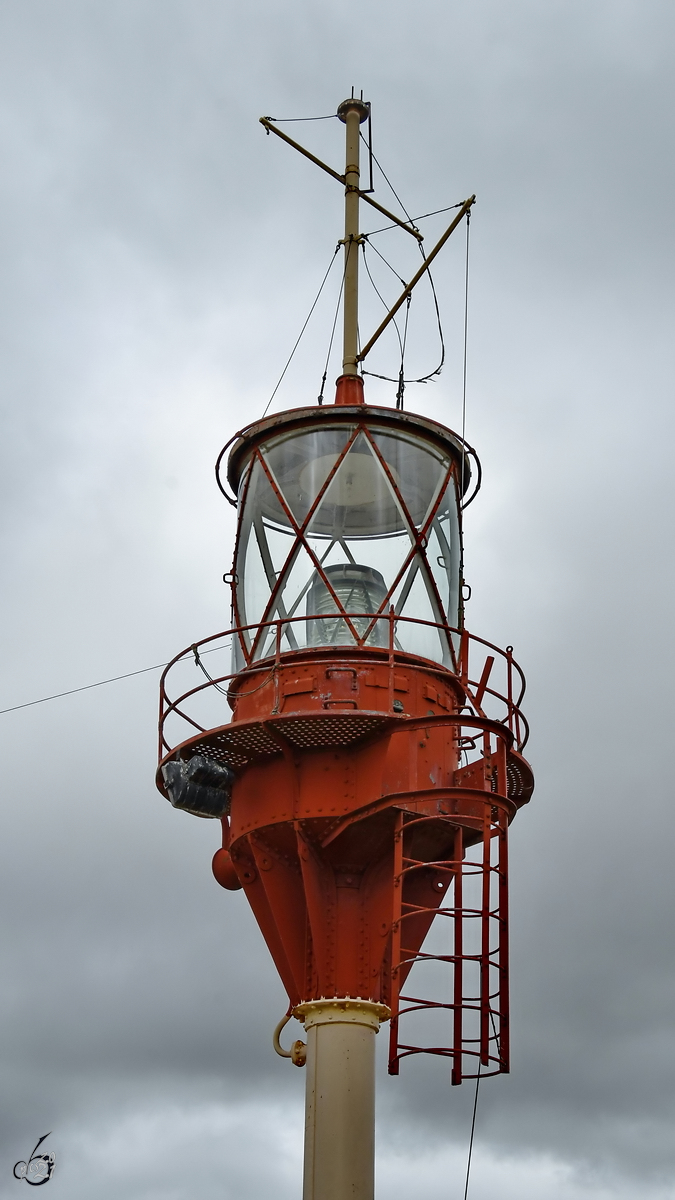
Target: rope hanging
432, 374
439, 368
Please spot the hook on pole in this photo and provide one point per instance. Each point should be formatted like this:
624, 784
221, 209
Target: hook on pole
297, 1052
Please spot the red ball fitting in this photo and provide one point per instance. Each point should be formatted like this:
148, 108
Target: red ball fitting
224, 872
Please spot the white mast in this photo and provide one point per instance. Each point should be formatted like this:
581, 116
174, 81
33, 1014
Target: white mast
353, 112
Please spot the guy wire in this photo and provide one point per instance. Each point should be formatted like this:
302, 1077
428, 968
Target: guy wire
391, 187
335, 318
466, 342
473, 1129
422, 217
316, 301
401, 340
393, 270
424, 378
380, 296
401, 380
439, 368
99, 683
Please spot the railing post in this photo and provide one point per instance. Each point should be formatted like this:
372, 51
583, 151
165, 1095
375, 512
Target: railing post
464, 658
504, 1032
397, 915
458, 957
392, 627
485, 941
509, 684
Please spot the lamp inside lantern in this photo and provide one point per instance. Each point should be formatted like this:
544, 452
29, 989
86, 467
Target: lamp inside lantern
358, 590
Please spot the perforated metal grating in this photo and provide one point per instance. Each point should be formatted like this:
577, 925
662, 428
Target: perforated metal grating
224, 755
519, 779
252, 738
329, 731
236, 746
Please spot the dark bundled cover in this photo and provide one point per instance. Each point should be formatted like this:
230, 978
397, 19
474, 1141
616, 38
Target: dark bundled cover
199, 786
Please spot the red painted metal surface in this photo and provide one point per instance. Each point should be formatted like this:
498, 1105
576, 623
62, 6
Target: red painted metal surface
349, 390
373, 786
353, 826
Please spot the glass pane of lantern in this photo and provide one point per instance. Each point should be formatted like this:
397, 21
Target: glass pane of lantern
439, 559
300, 464
261, 499
443, 554
296, 581
256, 582
251, 589
259, 556
418, 468
359, 501
424, 640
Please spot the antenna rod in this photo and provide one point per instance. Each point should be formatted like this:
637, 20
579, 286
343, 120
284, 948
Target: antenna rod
353, 112
267, 125
429, 258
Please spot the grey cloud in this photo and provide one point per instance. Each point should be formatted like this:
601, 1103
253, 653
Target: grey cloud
160, 254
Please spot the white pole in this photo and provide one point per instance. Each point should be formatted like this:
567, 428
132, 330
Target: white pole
340, 1098
353, 112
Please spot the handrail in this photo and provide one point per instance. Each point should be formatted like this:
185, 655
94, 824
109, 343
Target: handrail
475, 690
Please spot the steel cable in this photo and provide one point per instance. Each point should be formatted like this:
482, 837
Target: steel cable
424, 378
307, 319
99, 683
335, 319
473, 1130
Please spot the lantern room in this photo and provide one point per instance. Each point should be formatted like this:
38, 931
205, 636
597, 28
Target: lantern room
346, 514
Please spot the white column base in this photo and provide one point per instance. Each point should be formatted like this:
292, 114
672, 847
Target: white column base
340, 1098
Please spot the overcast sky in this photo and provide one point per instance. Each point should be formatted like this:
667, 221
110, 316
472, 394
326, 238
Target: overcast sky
160, 254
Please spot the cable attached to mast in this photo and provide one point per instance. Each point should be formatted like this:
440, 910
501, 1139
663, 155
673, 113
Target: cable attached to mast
437, 370
290, 357
332, 332
466, 339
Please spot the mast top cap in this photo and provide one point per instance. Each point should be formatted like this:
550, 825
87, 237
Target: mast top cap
362, 107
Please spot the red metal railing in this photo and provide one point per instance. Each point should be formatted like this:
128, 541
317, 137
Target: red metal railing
473, 662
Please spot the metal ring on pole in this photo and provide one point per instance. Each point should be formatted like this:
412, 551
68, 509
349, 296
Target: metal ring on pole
218, 462
471, 453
